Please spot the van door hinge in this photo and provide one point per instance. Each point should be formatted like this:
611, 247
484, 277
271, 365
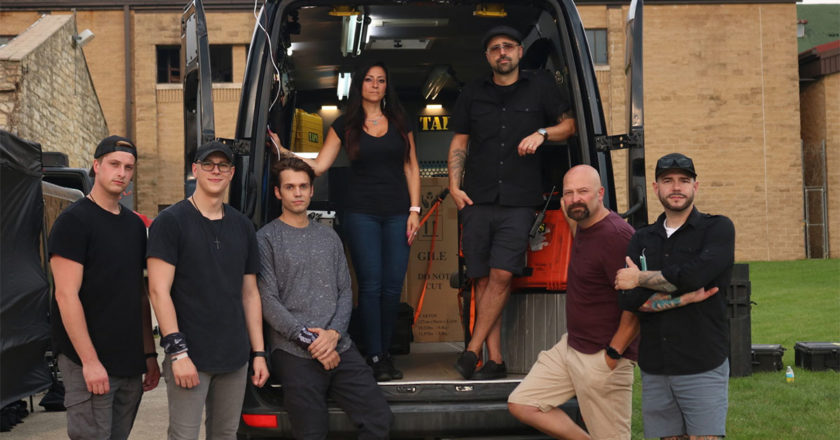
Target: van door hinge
636, 139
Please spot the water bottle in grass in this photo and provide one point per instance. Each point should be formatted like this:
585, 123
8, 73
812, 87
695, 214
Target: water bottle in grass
789, 375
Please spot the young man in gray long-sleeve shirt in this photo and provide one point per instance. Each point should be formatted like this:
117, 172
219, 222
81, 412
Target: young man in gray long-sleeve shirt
305, 288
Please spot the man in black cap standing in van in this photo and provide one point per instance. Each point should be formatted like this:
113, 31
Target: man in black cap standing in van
496, 182
677, 268
101, 319
203, 262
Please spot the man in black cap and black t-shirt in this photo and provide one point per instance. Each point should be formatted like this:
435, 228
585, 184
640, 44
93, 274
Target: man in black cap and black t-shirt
101, 319
503, 118
203, 263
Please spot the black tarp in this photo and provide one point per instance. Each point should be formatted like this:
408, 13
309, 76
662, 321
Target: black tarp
24, 291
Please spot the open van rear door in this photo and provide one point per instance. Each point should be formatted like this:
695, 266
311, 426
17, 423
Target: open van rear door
199, 125
636, 187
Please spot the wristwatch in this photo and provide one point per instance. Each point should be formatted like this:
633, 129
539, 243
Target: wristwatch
543, 132
613, 353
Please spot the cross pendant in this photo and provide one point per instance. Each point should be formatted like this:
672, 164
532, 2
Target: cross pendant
217, 243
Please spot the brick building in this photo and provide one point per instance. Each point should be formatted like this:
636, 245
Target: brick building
721, 85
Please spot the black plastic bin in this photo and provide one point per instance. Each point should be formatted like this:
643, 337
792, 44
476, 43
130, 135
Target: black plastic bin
818, 356
767, 357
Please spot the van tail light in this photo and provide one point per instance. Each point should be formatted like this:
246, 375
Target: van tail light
260, 420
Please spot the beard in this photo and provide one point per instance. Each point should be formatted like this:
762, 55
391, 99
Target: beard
504, 70
578, 215
675, 206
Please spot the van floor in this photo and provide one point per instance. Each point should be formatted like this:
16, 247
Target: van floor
433, 362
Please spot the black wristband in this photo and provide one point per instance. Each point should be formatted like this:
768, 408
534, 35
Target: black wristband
613, 353
258, 354
151, 355
174, 342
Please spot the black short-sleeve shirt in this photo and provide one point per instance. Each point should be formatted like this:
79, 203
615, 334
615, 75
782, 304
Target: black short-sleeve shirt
111, 249
377, 176
497, 118
211, 257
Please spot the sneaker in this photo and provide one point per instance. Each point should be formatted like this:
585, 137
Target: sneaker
392, 371
491, 370
465, 364
381, 372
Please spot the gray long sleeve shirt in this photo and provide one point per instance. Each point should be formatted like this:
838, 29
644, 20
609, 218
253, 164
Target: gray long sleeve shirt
303, 282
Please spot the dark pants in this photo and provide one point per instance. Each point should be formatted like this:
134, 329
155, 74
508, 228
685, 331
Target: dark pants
379, 249
306, 386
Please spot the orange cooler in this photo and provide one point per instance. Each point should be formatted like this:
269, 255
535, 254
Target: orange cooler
547, 265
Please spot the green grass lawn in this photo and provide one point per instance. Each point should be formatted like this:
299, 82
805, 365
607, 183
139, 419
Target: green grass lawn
794, 301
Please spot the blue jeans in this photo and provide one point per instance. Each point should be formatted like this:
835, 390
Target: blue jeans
379, 249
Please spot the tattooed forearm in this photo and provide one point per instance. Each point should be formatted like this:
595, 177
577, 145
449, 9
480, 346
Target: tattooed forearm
457, 159
654, 280
565, 115
659, 302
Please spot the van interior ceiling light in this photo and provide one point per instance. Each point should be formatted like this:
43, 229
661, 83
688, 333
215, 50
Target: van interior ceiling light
490, 10
329, 108
353, 30
343, 85
434, 106
343, 11
82, 38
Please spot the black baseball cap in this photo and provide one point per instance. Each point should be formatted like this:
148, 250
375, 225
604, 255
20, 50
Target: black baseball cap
213, 147
675, 161
114, 143
501, 30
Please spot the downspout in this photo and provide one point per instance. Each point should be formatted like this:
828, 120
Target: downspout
128, 73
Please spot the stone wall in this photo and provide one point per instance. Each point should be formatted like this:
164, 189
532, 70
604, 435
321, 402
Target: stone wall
46, 93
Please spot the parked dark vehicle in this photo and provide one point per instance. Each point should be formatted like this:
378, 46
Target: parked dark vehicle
296, 63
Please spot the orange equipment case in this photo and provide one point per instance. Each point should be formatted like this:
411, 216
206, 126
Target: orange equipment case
548, 255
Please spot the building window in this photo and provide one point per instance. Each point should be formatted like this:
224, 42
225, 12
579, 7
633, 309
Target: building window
221, 62
597, 39
168, 64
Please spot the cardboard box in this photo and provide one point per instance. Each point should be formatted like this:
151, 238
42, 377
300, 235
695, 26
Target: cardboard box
439, 320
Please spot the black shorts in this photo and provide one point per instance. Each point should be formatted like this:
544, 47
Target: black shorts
496, 237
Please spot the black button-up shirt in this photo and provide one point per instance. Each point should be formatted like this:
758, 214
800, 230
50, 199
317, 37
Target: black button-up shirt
694, 338
497, 118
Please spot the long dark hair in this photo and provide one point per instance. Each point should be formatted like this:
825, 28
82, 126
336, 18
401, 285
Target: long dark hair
355, 115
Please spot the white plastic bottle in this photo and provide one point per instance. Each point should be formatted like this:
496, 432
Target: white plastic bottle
789, 375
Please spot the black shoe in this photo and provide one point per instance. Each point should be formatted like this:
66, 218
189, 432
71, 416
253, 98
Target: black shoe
491, 370
381, 372
465, 364
392, 371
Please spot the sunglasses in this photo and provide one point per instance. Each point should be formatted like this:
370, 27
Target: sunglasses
674, 162
497, 48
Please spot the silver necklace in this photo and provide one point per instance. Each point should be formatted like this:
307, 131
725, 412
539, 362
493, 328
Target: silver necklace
212, 223
375, 120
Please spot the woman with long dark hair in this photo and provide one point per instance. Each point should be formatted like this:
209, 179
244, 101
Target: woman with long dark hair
383, 206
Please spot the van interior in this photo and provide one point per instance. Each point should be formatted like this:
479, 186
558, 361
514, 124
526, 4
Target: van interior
431, 50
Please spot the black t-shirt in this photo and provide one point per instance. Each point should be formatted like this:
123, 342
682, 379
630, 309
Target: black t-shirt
377, 176
111, 248
497, 118
211, 257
